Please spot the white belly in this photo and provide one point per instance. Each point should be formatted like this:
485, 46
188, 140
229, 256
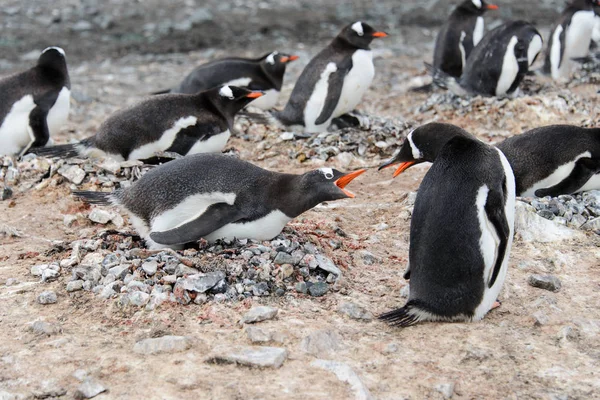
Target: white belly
59, 113
264, 228
461, 47
510, 68
315, 103
559, 175
478, 31
214, 144
596, 31
356, 83
577, 41
238, 82
267, 101
15, 133
535, 46
592, 184
166, 140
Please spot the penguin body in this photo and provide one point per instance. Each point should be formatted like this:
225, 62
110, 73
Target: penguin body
462, 31
264, 74
34, 104
334, 81
179, 123
498, 64
460, 240
214, 196
571, 37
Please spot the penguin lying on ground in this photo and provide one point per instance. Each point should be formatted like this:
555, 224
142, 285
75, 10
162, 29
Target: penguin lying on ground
179, 123
546, 161
571, 37
498, 64
34, 104
264, 74
460, 235
214, 196
334, 81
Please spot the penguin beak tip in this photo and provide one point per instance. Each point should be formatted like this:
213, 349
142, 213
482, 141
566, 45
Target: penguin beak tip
343, 181
380, 34
492, 7
254, 95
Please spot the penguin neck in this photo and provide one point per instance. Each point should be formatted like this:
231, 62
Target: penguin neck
275, 78
209, 103
291, 195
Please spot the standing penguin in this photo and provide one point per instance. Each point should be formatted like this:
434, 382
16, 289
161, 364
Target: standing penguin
334, 81
264, 74
34, 104
498, 64
460, 235
571, 37
214, 196
459, 35
179, 123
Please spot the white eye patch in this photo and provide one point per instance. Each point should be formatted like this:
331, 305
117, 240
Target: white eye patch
328, 172
226, 92
271, 57
358, 28
61, 51
476, 3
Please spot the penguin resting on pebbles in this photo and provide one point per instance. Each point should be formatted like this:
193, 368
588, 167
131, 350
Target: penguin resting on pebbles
213, 196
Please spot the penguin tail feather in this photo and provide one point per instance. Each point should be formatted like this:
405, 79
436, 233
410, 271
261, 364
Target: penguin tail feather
444, 80
91, 197
165, 91
408, 315
428, 88
258, 118
61, 150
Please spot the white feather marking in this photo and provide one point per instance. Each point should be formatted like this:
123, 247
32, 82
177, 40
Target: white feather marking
166, 140
59, 113
356, 82
271, 58
328, 172
237, 82
189, 209
316, 102
214, 144
478, 31
358, 28
558, 175
267, 101
226, 92
461, 47
265, 228
596, 31
477, 3
555, 52
416, 153
15, 130
510, 68
592, 184
577, 43
535, 46
60, 50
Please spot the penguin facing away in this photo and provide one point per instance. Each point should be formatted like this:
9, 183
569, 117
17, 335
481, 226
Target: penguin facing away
214, 196
34, 104
179, 123
571, 37
264, 74
334, 81
498, 64
460, 240
462, 31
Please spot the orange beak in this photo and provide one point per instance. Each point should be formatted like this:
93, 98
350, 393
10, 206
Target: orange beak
254, 95
380, 34
403, 167
492, 7
293, 58
346, 179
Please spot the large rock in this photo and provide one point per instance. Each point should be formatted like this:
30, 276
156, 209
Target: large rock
262, 357
533, 228
345, 374
163, 344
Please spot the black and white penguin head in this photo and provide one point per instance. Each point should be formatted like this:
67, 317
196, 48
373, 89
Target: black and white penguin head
423, 144
478, 7
360, 35
586, 5
53, 58
231, 99
327, 184
274, 63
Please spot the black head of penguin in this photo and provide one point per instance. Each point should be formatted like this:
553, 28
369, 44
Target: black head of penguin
359, 35
53, 62
477, 7
230, 99
274, 64
586, 5
423, 145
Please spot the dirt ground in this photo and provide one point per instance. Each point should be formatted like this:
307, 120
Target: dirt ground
537, 345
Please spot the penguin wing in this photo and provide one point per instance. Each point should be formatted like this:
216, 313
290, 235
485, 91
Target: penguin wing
334, 90
215, 217
583, 170
494, 208
39, 126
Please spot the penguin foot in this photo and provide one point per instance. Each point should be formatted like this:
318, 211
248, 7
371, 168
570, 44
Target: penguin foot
496, 304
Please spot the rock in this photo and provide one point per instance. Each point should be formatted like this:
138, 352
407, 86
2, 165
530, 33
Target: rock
138, 298
69, 220
150, 267
163, 344
74, 286
183, 270
201, 283
120, 271
73, 173
547, 282
283, 258
540, 319
258, 314
533, 228
109, 290
48, 297
446, 389
321, 342
100, 216
6, 193
89, 388
301, 287
11, 281
45, 328
49, 275
286, 270
261, 357
345, 374
326, 264
355, 311
87, 273
318, 289
257, 335
592, 225
286, 136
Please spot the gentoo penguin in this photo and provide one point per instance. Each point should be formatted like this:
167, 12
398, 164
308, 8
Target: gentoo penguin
179, 123
264, 74
214, 196
498, 64
34, 104
334, 81
571, 37
459, 35
460, 235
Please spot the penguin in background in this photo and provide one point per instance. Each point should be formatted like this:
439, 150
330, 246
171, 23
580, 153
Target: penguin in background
571, 37
263, 74
179, 123
498, 64
214, 196
334, 81
34, 104
460, 240
462, 31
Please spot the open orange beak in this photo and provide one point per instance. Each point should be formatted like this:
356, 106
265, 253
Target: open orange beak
492, 7
346, 179
254, 95
403, 167
380, 34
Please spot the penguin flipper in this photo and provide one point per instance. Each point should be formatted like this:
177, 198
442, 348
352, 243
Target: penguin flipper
334, 91
494, 208
584, 169
39, 127
215, 217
